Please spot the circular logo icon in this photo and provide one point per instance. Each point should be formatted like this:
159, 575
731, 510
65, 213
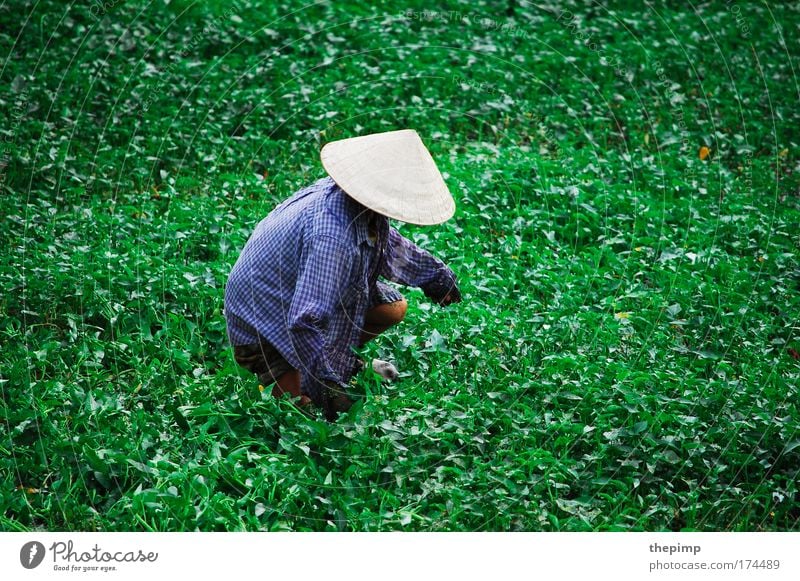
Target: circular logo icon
31, 554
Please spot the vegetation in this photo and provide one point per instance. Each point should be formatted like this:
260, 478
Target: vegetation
626, 356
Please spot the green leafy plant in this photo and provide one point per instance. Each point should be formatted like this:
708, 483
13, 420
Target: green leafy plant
626, 356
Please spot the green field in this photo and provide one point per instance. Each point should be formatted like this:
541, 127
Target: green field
627, 181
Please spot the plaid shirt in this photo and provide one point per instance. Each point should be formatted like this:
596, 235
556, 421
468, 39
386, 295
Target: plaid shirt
308, 274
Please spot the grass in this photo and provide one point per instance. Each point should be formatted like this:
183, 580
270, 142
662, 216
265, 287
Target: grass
626, 356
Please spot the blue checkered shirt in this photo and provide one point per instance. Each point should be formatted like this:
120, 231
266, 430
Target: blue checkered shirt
308, 274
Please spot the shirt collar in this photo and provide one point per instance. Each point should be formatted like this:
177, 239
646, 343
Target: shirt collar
362, 216
381, 230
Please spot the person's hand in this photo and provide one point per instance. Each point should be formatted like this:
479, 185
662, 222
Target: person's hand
450, 299
444, 291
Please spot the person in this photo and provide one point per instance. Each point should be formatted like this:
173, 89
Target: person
306, 287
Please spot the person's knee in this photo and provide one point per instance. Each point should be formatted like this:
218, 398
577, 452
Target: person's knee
398, 312
288, 382
387, 314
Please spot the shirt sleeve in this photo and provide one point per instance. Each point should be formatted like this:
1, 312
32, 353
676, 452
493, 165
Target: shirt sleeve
322, 280
408, 264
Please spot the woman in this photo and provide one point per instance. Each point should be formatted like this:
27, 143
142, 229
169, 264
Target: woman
306, 290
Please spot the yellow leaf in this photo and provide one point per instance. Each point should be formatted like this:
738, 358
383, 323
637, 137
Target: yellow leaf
704, 151
622, 315
28, 489
260, 387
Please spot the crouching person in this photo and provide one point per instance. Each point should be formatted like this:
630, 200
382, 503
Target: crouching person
306, 288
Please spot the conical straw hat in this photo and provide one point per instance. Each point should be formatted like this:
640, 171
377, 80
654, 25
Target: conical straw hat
391, 173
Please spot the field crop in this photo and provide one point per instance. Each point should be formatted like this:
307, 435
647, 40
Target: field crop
626, 356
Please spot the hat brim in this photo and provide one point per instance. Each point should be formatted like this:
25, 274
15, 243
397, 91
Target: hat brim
391, 173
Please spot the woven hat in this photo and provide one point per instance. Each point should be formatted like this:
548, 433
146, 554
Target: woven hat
391, 173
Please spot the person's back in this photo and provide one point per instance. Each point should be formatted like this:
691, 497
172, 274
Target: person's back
263, 279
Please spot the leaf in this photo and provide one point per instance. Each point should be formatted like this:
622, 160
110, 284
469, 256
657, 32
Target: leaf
389, 426
794, 444
671, 457
142, 467
436, 341
674, 309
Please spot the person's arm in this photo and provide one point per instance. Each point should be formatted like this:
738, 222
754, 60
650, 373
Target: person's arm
408, 264
323, 278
